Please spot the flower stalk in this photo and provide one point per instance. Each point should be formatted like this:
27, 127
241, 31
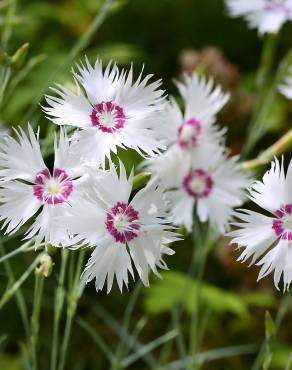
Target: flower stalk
275, 150
23, 248
203, 240
265, 349
267, 58
73, 297
17, 284
35, 318
257, 127
58, 307
18, 295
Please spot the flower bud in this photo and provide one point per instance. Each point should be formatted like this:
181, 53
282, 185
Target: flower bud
46, 265
19, 56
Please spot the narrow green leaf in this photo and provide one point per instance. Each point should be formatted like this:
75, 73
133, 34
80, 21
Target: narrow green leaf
141, 180
148, 348
270, 328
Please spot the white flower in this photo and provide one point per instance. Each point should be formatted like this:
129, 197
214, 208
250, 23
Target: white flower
121, 230
213, 185
28, 187
193, 132
286, 88
267, 16
268, 237
111, 110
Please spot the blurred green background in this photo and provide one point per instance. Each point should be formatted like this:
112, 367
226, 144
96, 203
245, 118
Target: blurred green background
168, 37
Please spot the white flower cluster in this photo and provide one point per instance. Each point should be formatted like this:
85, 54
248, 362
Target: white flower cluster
84, 200
267, 16
200, 177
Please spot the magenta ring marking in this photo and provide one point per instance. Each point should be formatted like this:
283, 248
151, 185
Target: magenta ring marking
203, 175
279, 225
196, 132
108, 107
130, 215
59, 175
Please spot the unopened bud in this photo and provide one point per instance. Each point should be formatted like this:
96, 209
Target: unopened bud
140, 180
19, 56
46, 265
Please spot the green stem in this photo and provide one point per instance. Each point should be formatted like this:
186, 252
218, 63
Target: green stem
257, 127
59, 303
66, 338
35, 318
96, 338
5, 70
17, 284
73, 297
18, 295
289, 362
267, 58
126, 323
23, 248
22, 74
4, 79
265, 98
202, 241
257, 365
86, 37
132, 342
149, 347
7, 26
180, 338
278, 148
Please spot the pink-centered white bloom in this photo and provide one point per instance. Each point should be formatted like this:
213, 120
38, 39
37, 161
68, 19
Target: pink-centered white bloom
123, 231
192, 132
111, 110
211, 188
267, 16
29, 189
267, 239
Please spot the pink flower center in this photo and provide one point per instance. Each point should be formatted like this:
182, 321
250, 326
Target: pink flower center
189, 133
108, 117
283, 225
122, 222
198, 183
52, 189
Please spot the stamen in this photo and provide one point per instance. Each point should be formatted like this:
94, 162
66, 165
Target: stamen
198, 183
189, 133
283, 225
122, 222
108, 117
52, 189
